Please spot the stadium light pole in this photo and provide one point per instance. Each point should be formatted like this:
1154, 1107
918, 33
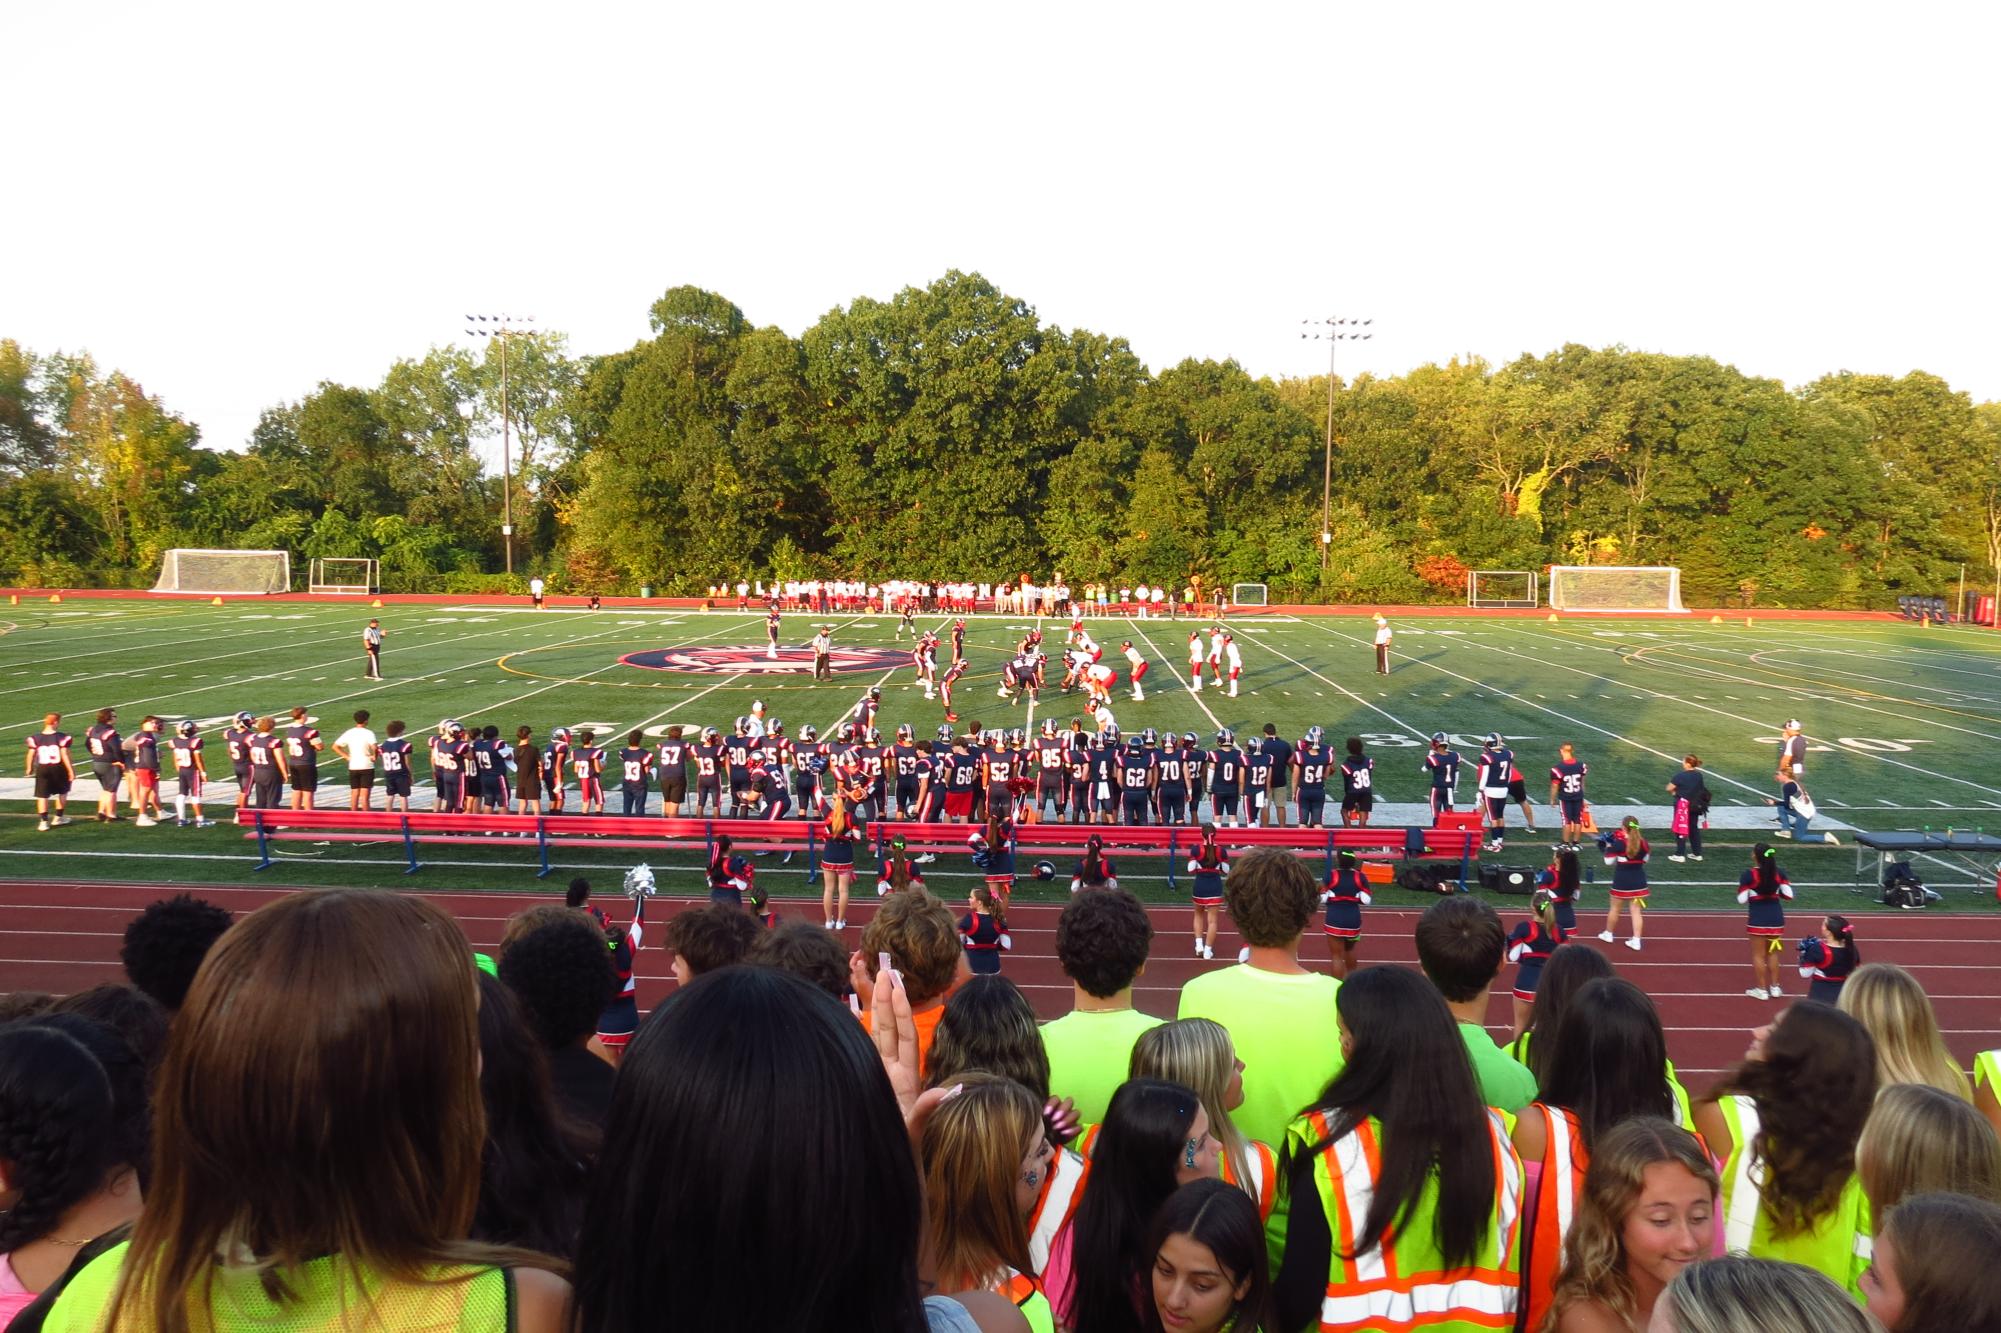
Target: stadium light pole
503, 327
1334, 331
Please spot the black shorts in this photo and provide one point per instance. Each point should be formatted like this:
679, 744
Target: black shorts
51, 780
1225, 803
493, 788
108, 776
1518, 789
1573, 809
1363, 801
674, 790
305, 777
361, 779
397, 783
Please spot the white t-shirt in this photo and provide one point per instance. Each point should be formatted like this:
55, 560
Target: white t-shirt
359, 742
1382, 635
535, 586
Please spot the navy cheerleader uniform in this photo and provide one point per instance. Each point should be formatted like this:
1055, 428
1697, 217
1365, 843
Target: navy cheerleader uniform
1347, 893
984, 939
1767, 905
729, 879
1825, 968
839, 851
1083, 878
1565, 904
1208, 865
1629, 868
1530, 946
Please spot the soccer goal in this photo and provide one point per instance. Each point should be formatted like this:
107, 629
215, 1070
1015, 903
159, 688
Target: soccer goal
1615, 588
1499, 589
225, 571
343, 574
1248, 594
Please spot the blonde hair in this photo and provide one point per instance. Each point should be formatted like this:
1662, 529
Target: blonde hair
1890, 1003
1197, 1054
973, 1145
1920, 1139
1594, 1250
1740, 1295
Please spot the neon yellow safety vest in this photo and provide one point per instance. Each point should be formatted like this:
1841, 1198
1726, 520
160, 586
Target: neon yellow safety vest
1838, 1245
1408, 1285
1026, 1293
1987, 1069
326, 1294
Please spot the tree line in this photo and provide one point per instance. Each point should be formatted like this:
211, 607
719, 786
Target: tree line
947, 432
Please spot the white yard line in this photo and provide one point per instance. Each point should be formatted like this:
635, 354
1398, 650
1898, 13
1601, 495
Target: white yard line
1214, 721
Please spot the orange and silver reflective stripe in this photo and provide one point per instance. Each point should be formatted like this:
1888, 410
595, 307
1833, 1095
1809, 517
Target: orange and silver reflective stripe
1061, 1193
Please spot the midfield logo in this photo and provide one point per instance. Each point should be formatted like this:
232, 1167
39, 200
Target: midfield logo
752, 661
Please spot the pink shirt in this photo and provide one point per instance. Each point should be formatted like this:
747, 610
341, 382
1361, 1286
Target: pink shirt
14, 1297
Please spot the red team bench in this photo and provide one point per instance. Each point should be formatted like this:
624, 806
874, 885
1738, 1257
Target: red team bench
1453, 837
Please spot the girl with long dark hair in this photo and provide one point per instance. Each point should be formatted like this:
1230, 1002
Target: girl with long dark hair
1763, 889
1155, 1138
1404, 1126
1786, 1122
1209, 1263
1567, 972
1094, 869
1606, 1065
1829, 959
536, 1159
807, 1102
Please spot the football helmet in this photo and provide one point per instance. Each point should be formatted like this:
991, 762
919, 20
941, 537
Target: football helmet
1493, 740
742, 726
1016, 738
809, 732
561, 734
185, 727
872, 737
845, 732
903, 733
1313, 735
774, 728
1225, 736
1438, 738
710, 735
945, 732
1149, 737
245, 719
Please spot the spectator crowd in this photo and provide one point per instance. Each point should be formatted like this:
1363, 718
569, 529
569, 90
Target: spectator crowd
331, 1112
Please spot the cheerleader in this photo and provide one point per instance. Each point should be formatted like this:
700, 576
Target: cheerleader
1563, 879
1094, 869
898, 871
760, 908
998, 858
1626, 852
1208, 864
1763, 888
1347, 894
730, 877
984, 931
837, 862
1827, 960
1529, 946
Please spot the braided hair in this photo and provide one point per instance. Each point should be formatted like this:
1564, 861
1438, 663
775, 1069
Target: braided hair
57, 1126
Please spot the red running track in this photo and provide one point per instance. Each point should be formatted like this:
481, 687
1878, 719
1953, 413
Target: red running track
63, 937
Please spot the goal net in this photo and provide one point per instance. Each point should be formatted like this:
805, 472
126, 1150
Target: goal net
343, 574
225, 571
1496, 589
1248, 594
1615, 588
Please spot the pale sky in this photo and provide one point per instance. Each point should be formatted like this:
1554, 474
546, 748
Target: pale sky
234, 202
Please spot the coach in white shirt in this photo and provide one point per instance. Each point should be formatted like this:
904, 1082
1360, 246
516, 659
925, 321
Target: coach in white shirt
1383, 637
357, 746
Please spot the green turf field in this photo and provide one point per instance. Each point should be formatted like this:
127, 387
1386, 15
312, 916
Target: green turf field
1899, 718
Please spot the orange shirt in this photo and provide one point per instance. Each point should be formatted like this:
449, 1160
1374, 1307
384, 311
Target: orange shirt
926, 1018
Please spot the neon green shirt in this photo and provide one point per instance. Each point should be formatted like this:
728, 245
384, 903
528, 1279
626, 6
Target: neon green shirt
1089, 1051
1504, 1081
462, 1300
1286, 1033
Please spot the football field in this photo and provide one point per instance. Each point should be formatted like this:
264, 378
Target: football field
1902, 721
